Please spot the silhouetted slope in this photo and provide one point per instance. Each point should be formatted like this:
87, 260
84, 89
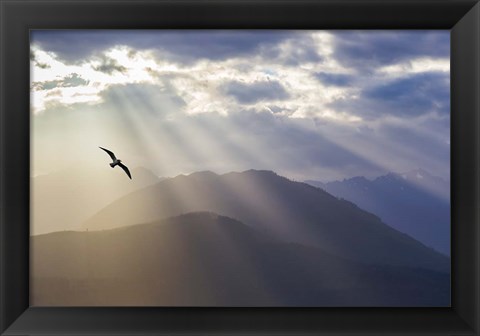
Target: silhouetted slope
415, 203
202, 259
287, 210
63, 200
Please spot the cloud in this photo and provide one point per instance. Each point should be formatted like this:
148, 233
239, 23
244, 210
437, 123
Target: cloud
250, 93
184, 46
411, 96
35, 61
297, 71
109, 66
68, 81
416, 65
334, 79
298, 49
150, 123
63, 83
306, 104
366, 50
393, 73
414, 95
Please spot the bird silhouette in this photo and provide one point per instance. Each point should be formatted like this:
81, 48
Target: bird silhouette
117, 162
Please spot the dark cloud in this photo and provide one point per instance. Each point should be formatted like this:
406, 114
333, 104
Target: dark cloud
69, 81
300, 49
42, 65
269, 140
412, 96
257, 91
36, 62
74, 80
109, 66
48, 85
415, 95
179, 45
279, 109
365, 50
334, 79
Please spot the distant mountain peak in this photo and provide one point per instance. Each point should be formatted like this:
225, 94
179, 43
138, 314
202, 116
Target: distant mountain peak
356, 179
389, 177
419, 174
203, 173
415, 202
261, 171
255, 172
418, 171
271, 203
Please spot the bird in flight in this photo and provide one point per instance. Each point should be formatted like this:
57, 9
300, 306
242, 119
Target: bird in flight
117, 162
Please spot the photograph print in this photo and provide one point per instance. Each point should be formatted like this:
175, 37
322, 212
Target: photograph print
240, 168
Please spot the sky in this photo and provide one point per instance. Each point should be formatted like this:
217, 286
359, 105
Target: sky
321, 105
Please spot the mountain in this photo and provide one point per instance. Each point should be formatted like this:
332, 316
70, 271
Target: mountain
415, 203
203, 259
64, 199
287, 210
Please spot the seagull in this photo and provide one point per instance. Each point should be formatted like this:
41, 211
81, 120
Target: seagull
117, 162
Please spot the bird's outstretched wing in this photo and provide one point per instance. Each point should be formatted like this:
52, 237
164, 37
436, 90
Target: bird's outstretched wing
109, 153
125, 169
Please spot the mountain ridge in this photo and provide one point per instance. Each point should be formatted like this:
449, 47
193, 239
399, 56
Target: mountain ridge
205, 259
420, 211
287, 210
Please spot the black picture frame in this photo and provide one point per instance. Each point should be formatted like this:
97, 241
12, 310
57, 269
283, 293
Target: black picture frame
17, 17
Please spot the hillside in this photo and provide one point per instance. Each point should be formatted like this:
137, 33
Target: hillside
287, 210
415, 203
203, 259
